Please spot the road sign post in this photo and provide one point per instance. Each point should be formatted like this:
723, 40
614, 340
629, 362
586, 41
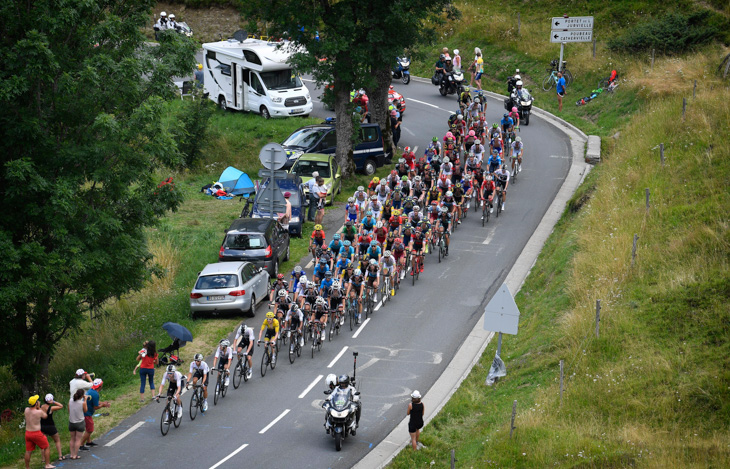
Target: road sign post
570, 29
501, 315
273, 157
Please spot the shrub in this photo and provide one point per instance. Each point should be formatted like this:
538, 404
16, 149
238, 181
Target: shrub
672, 33
191, 130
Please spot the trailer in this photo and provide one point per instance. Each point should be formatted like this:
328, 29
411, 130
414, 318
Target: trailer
254, 75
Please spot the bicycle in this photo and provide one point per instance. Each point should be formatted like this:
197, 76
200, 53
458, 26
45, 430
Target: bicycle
295, 348
351, 307
335, 316
369, 300
442, 245
267, 359
315, 330
168, 414
196, 401
220, 386
498, 200
485, 211
241, 370
516, 167
416, 266
552, 78
246, 208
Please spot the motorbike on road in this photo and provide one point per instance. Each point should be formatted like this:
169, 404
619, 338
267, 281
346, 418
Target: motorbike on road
523, 103
452, 83
341, 409
401, 70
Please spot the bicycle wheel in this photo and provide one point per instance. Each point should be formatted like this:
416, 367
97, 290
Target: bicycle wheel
245, 369
314, 342
237, 374
441, 250
224, 388
165, 420
320, 338
414, 269
332, 328
274, 354
298, 348
499, 205
603, 84
264, 361
292, 351
547, 83
216, 393
350, 316
178, 417
418, 270
194, 405
568, 77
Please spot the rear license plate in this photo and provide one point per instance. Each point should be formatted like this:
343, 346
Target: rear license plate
296, 111
216, 297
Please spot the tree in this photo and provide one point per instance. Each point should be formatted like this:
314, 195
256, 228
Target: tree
356, 42
82, 99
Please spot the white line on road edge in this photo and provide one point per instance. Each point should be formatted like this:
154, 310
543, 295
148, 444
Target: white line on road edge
377, 306
281, 416
240, 448
490, 236
359, 329
131, 429
309, 264
425, 103
309, 388
334, 360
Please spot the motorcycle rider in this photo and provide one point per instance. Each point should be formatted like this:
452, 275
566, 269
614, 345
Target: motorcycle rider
161, 24
344, 383
512, 81
172, 24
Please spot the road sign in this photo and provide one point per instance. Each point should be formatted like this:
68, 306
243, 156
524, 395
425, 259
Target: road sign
272, 156
502, 314
560, 23
571, 36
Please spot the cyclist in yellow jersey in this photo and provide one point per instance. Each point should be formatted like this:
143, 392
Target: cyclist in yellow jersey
271, 326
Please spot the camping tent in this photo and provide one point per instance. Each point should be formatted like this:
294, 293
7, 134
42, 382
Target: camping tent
236, 182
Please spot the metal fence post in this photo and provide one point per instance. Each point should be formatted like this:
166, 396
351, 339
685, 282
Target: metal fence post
453, 459
694, 90
633, 250
647, 199
661, 153
594, 46
514, 413
519, 23
561, 382
598, 315
684, 107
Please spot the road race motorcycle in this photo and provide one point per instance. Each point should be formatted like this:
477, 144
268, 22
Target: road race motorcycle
183, 28
523, 104
401, 70
453, 83
341, 410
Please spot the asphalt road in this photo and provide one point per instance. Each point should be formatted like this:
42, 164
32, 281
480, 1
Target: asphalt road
277, 421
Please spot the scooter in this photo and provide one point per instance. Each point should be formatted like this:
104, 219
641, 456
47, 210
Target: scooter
401, 71
453, 82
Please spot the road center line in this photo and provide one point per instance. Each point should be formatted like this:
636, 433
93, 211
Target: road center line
490, 236
334, 360
380, 303
309, 388
281, 416
240, 448
130, 430
423, 102
359, 329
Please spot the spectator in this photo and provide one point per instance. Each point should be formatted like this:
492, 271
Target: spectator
457, 60
76, 408
320, 190
93, 406
479, 69
415, 410
286, 216
48, 426
81, 381
33, 435
560, 88
473, 67
199, 76
148, 360
313, 199
395, 126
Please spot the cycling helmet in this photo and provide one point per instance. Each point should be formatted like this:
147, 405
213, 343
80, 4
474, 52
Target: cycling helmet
480, 93
369, 213
449, 134
494, 126
172, 16
489, 177
442, 57
517, 76
317, 227
374, 243
505, 115
435, 139
514, 109
373, 262
477, 142
459, 117
351, 200
163, 14
401, 160
466, 88
310, 284
280, 276
225, 342
443, 177
298, 269
270, 315
395, 212
357, 272
346, 243
444, 210
373, 197
446, 159
349, 223
319, 301
449, 194
358, 109
360, 188
331, 380
483, 118
404, 178
383, 181
171, 368
458, 185
336, 284
379, 224
336, 236
477, 100
406, 149
386, 254
416, 208
472, 133
519, 83
199, 356
398, 240
343, 381
504, 167
282, 293
328, 274
518, 139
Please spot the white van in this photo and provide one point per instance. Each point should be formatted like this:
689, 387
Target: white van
254, 75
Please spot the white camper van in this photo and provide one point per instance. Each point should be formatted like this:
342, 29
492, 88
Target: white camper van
254, 75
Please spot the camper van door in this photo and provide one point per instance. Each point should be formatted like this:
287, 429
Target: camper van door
256, 93
241, 85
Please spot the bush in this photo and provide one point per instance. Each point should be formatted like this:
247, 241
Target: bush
191, 129
672, 33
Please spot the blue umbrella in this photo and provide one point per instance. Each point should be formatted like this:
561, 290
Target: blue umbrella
176, 331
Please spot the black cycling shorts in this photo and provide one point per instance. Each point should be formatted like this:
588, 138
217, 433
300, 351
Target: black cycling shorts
199, 375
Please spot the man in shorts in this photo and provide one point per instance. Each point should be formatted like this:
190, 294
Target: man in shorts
560, 88
33, 435
93, 405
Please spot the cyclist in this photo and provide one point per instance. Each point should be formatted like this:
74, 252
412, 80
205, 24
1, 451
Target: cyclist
434, 194
380, 232
279, 285
317, 239
294, 322
446, 168
347, 251
465, 99
495, 159
374, 251
372, 275
308, 295
223, 356
363, 241
408, 205
434, 146
387, 267
486, 193
299, 281
399, 252
199, 370
444, 223
244, 344
457, 172
458, 199
402, 169
501, 178
405, 186
326, 284
282, 303
335, 246
443, 185
507, 126
361, 200
368, 223
418, 240
407, 234
472, 164
469, 140
177, 381
319, 313
449, 202
395, 222
375, 206
341, 265
419, 189
320, 269
349, 231
518, 150
515, 116
271, 326
352, 210
383, 190
356, 284
337, 299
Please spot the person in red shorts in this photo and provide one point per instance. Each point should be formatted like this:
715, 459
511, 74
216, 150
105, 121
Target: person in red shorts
93, 404
33, 435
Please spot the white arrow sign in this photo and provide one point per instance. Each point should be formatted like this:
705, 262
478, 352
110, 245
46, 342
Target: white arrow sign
571, 36
571, 23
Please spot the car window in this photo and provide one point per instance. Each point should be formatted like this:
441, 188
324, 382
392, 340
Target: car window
245, 241
369, 134
305, 168
304, 138
218, 281
329, 140
334, 165
250, 271
256, 84
245, 277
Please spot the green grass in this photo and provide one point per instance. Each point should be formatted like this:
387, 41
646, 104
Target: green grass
653, 390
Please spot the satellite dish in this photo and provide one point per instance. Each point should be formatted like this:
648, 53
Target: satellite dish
240, 35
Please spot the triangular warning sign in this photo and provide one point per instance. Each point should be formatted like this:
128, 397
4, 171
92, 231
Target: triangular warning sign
502, 314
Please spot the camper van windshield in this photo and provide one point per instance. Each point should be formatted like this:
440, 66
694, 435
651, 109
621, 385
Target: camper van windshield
281, 80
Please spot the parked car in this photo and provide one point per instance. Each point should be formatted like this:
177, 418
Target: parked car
260, 241
293, 185
229, 287
326, 166
368, 155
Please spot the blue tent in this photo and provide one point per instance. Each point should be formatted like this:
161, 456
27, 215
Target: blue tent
236, 182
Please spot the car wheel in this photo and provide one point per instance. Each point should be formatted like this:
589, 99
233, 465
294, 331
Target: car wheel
265, 113
370, 167
286, 257
222, 103
252, 306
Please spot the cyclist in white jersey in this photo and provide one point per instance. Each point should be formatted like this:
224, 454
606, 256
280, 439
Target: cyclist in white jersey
199, 370
244, 344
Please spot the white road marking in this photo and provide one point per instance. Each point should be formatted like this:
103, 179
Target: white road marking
310, 264
120, 437
377, 307
334, 360
309, 388
423, 102
281, 416
240, 448
560, 156
409, 132
415, 149
490, 236
359, 329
